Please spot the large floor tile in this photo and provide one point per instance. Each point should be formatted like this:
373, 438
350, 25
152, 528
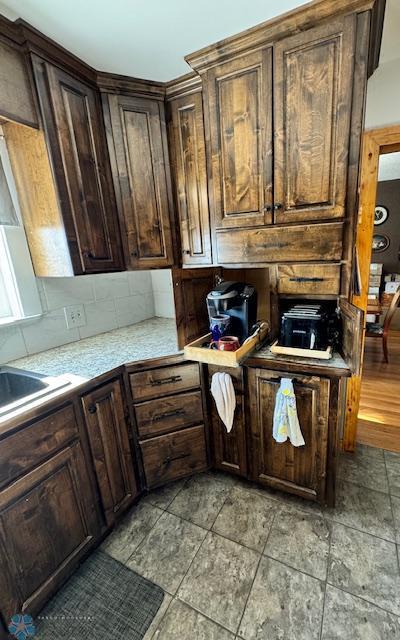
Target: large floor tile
219, 580
364, 451
283, 498
363, 509
246, 518
163, 496
166, 553
349, 618
284, 604
393, 470
365, 566
364, 470
300, 540
184, 623
200, 500
396, 514
131, 531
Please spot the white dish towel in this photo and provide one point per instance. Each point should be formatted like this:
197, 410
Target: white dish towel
225, 398
286, 422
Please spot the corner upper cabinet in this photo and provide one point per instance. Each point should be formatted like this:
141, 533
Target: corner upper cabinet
313, 79
75, 136
238, 103
139, 156
188, 164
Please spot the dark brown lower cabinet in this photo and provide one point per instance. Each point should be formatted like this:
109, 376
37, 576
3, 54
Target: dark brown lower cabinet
229, 449
174, 456
109, 443
47, 523
299, 470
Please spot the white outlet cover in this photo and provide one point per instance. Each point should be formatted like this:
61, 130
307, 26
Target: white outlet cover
75, 316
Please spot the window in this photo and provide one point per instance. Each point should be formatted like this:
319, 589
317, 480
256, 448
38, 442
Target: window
19, 296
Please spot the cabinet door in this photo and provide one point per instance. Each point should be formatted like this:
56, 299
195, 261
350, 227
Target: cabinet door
75, 132
238, 95
353, 333
191, 287
188, 159
229, 449
313, 76
109, 442
140, 163
300, 470
47, 523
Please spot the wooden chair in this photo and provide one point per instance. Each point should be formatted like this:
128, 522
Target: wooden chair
382, 331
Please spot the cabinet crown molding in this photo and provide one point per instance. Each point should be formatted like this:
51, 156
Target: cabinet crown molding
283, 25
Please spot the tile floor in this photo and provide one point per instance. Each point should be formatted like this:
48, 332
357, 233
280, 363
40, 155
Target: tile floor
240, 562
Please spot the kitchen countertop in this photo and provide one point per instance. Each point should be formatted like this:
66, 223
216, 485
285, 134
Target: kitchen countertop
94, 356
264, 358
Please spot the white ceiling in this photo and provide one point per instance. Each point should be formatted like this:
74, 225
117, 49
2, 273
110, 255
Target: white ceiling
148, 38
389, 167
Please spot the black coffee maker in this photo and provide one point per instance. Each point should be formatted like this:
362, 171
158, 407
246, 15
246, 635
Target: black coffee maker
238, 300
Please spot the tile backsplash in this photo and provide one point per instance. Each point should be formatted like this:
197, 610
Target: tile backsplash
110, 301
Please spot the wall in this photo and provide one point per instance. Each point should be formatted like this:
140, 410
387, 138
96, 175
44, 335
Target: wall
110, 301
383, 96
388, 195
163, 293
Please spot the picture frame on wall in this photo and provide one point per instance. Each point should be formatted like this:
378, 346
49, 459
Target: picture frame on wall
380, 242
381, 215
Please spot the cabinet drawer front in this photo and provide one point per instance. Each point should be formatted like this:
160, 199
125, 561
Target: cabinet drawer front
314, 278
163, 381
25, 449
280, 244
168, 414
174, 456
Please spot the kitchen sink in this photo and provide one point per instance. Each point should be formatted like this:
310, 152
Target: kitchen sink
19, 387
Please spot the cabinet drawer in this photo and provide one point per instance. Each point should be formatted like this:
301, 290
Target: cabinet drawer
27, 448
168, 414
164, 381
319, 242
309, 278
174, 456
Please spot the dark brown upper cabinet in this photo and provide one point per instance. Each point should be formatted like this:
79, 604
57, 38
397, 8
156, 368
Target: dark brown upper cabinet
313, 78
238, 99
188, 164
139, 158
75, 134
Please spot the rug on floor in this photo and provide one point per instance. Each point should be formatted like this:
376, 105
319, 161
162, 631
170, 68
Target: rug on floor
103, 600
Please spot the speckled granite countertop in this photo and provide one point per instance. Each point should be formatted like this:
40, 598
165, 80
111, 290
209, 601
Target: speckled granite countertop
97, 355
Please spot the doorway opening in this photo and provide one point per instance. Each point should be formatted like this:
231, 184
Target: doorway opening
373, 399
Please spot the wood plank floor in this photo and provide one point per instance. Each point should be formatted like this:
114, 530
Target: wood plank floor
379, 414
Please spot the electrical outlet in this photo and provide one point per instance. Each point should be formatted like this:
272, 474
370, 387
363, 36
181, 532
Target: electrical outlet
75, 316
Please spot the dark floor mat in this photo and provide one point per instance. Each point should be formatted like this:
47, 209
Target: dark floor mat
103, 600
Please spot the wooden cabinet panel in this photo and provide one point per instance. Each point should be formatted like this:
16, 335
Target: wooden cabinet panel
191, 287
47, 523
164, 381
76, 139
320, 279
313, 76
239, 98
109, 442
168, 414
16, 98
174, 456
28, 447
137, 142
229, 449
353, 332
300, 470
280, 244
188, 159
